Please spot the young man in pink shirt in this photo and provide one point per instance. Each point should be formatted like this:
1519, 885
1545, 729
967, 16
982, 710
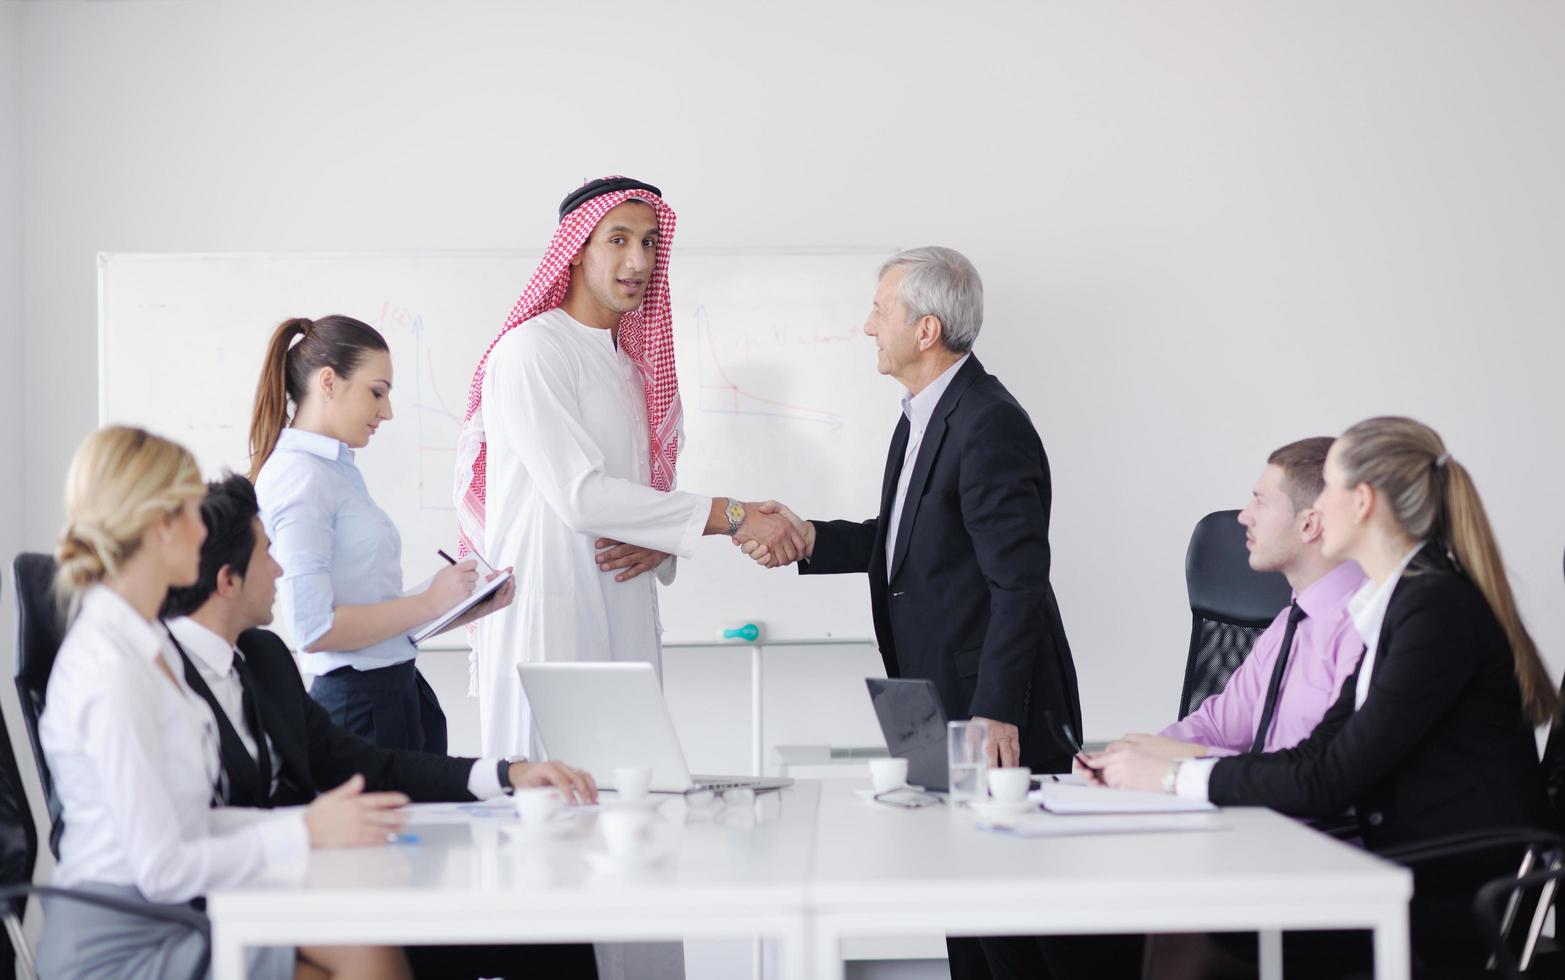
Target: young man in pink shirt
1295, 670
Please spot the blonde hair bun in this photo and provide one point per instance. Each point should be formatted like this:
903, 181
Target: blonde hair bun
121, 481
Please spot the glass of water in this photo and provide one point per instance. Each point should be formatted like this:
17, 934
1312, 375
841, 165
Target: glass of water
967, 760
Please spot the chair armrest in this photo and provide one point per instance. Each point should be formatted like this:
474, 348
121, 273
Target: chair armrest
189, 918
1341, 827
1472, 843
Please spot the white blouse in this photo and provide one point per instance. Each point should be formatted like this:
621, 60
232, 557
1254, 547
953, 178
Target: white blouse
135, 761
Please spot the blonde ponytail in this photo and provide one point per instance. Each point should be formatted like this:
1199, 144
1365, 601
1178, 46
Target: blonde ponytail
1471, 539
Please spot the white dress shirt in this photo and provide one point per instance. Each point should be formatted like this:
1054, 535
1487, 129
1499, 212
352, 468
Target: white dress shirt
335, 544
1368, 610
565, 418
214, 660
919, 409
135, 761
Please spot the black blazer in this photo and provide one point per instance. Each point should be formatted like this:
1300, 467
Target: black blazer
318, 755
1441, 745
969, 605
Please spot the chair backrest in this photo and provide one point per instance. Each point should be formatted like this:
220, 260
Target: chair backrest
18, 836
1230, 605
39, 633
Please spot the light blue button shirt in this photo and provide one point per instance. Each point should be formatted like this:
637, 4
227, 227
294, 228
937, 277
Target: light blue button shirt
335, 545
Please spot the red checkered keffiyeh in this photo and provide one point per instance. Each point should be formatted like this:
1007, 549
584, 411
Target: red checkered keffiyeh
646, 335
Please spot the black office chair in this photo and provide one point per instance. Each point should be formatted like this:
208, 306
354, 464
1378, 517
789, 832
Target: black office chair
39, 633
1230, 605
19, 855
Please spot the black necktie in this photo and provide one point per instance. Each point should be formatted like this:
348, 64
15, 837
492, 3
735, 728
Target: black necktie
1272, 690
263, 758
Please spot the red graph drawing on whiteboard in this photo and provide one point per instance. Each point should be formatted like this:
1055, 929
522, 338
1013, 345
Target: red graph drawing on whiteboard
721, 396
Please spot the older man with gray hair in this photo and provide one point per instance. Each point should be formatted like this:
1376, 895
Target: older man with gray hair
958, 555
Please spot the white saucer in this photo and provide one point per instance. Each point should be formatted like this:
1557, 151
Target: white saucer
995, 810
607, 862
618, 803
529, 832
870, 793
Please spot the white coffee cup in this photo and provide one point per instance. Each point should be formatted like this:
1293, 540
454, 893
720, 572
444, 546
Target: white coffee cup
628, 833
886, 774
632, 782
1010, 785
537, 804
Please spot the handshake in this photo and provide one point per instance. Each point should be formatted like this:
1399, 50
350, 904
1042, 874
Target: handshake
774, 536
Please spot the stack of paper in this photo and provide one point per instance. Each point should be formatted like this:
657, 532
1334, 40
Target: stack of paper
1080, 798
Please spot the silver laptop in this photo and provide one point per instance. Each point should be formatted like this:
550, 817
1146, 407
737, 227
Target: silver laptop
601, 716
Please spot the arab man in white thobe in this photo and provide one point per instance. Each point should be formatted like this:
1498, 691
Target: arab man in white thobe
567, 457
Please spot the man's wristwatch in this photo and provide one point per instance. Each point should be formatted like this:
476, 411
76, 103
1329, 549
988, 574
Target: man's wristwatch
735, 514
503, 770
1171, 776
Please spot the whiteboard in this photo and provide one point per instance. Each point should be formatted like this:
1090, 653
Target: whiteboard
778, 381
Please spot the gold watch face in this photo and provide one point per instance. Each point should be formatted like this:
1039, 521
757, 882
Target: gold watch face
735, 513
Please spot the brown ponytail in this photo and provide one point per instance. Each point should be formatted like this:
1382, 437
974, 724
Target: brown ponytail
1433, 497
337, 342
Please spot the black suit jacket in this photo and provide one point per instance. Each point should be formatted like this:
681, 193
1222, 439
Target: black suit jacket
316, 754
969, 605
1441, 745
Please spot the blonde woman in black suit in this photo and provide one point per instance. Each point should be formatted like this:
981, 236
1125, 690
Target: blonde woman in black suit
1434, 733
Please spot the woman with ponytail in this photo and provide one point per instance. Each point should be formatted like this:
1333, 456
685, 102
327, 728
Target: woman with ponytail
1434, 733
325, 388
134, 751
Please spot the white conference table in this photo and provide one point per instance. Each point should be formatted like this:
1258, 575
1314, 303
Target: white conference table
815, 865
735, 874
882, 872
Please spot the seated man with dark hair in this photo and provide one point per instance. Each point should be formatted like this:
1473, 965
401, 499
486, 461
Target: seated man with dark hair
279, 748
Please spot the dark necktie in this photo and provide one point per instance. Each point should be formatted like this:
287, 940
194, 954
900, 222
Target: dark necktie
1275, 687
263, 757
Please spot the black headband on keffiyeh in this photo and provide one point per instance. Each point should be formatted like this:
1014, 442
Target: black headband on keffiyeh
600, 187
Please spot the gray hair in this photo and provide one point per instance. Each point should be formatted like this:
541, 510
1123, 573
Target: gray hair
942, 283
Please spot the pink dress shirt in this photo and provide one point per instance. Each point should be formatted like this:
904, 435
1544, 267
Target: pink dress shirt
1326, 649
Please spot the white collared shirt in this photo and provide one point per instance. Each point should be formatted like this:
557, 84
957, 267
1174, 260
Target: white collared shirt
1368, 609
214, 660
135, 762
919, 409
334, 543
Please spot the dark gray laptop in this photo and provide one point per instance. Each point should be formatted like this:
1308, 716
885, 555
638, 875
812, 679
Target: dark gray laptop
914, 724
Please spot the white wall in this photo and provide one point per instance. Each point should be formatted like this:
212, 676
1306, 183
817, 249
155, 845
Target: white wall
1206, 228
10, 283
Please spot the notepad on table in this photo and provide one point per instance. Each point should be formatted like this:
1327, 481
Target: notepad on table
1071, 798
481, 592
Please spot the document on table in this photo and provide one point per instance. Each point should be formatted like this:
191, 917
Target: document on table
1049, 825
1071, 798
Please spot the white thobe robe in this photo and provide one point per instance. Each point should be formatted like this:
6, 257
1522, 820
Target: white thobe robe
565, 419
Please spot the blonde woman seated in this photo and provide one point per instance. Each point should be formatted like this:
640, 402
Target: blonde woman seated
134, 753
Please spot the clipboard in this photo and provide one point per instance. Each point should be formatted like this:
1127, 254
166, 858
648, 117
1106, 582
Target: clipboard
481, 592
